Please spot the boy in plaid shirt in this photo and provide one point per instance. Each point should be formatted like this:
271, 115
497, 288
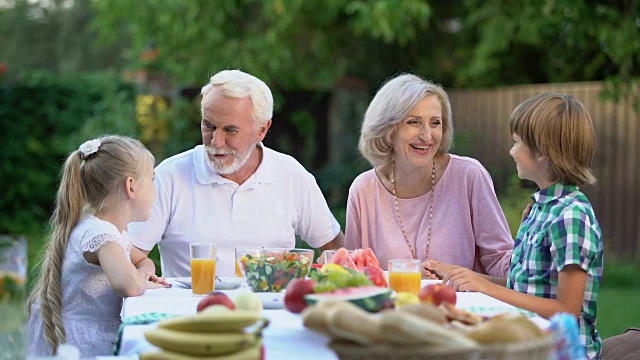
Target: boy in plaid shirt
557, 257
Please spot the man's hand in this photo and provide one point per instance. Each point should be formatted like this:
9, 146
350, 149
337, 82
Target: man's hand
334, 244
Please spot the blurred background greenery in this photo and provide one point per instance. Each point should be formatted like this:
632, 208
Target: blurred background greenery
74, 69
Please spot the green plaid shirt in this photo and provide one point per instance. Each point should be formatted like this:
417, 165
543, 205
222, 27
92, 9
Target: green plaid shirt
561, 230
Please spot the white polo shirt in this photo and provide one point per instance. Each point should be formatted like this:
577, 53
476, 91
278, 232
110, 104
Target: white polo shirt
195, 204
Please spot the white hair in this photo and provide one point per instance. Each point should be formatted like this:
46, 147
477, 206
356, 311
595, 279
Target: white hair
391, 105
238, 84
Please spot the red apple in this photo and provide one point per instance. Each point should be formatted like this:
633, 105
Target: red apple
437, 293
216, 298
294, 296
376, 275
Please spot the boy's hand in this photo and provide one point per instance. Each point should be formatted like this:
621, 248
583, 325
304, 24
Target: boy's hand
463, 279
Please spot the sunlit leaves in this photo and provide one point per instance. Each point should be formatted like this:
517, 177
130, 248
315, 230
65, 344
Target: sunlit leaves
292, 43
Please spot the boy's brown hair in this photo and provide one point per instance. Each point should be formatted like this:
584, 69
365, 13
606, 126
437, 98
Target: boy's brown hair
558, 127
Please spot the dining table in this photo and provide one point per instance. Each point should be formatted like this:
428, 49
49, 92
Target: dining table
284, 338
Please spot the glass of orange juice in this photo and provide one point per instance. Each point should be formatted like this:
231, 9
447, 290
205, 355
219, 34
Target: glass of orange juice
238, 255
203, 268
405, 275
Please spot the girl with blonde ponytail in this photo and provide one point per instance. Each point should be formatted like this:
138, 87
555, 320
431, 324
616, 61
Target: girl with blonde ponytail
88, 264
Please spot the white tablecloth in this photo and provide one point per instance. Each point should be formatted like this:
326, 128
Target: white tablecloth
284, 338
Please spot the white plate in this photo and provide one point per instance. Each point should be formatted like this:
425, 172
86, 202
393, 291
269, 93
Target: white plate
271, 300
225, 283
425, 282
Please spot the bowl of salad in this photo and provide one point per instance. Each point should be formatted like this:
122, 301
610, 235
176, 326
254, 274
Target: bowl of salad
271, 269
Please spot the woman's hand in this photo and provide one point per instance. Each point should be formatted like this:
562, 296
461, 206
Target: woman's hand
434, 269
463, 279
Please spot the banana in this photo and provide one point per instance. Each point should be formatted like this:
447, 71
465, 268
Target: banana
250, 353
199, 343
208, 322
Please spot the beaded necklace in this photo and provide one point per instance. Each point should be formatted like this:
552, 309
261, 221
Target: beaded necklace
395, 200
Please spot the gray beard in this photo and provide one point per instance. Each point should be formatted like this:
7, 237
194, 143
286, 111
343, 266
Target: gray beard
239, 159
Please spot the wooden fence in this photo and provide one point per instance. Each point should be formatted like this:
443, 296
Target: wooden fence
615, 197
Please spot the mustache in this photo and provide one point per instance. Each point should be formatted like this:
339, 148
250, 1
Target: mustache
213, 151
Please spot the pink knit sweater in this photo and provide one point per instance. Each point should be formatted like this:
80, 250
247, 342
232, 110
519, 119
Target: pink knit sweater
469, 227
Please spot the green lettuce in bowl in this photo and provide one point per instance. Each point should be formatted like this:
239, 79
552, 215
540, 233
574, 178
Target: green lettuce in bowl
271, 269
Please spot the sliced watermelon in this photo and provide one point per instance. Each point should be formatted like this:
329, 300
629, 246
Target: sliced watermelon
348, 263
338, 256
358, 259
370, 258
342, 258
370, 298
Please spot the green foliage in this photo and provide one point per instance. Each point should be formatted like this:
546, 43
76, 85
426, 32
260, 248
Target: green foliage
168, 128
513, 200
43, 119
306, 126
551, 41
300, 44
463, 143
321, 40
184, 118
53, 36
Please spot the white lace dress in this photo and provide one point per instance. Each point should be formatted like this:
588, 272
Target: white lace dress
90, 308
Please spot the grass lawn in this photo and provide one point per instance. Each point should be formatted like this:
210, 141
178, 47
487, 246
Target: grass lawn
617, 310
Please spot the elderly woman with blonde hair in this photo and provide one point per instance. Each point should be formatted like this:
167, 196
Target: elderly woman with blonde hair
419, 201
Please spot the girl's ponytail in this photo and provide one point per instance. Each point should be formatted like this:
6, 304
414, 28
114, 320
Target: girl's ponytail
68, 210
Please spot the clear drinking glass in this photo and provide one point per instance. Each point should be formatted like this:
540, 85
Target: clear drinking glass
13, 310
328, 254
238, 254
203, 268
405, 275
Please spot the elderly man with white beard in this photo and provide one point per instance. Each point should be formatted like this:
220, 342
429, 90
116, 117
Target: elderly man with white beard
232, 190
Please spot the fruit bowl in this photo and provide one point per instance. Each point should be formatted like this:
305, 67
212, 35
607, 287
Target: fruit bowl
271, 269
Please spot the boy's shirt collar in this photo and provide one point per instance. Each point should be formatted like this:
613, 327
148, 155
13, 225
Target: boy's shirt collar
553, 192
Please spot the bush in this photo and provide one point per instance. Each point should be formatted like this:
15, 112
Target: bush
513, 200
44, 117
